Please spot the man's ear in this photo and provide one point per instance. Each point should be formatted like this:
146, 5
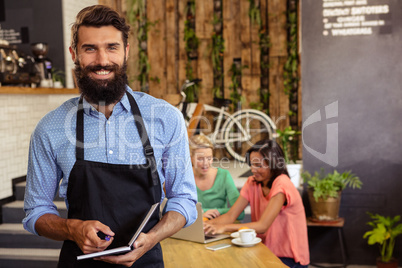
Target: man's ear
73, 56
127, 50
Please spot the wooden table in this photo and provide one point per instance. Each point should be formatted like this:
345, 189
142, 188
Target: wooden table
179, 253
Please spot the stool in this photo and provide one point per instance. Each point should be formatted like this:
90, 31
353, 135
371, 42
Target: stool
338, 224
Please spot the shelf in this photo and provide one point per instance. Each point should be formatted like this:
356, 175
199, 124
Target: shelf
38, 90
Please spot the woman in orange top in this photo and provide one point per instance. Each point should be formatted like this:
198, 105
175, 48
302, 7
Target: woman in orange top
277, 210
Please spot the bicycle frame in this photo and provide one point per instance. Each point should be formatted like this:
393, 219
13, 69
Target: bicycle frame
216, 136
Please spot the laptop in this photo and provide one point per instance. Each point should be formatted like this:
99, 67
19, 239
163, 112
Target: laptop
124, 249
195, 232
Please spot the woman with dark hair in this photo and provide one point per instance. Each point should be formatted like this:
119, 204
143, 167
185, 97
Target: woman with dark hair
277, 211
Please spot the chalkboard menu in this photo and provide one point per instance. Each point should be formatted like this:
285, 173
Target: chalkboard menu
351, 56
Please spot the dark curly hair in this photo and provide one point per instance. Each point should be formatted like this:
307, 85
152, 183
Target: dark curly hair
273, 156
98, 16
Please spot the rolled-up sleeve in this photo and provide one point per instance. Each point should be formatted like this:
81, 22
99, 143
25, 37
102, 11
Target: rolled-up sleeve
43, 177
177, 170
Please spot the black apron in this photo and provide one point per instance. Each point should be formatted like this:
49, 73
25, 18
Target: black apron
118, 196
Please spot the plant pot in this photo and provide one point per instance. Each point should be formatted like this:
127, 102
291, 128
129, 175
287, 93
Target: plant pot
294, 173
393, 263
324, 210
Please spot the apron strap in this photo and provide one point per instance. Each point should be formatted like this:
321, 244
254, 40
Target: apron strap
79, 146
148, 150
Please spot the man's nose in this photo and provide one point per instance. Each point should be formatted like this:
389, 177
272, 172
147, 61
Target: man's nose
102, 58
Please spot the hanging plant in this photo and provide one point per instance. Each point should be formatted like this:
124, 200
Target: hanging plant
254, 12
291, 67
235, 87
136, 16
217, 49
264, 44
191, 47
291, 77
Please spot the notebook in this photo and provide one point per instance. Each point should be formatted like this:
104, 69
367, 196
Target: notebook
195, 232
123, 249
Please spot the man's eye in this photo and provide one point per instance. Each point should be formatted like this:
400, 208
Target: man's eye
112, 48
89, 49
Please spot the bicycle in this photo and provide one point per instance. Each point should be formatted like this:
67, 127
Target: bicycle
235, 132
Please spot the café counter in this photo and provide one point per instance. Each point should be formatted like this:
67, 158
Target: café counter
38, 90
179, 254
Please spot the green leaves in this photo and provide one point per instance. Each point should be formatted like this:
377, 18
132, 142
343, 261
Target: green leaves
328, 185
287, 138
384, 233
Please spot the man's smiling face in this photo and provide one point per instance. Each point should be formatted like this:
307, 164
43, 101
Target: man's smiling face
100, 61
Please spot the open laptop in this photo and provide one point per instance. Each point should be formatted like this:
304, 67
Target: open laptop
124, 249
195, 232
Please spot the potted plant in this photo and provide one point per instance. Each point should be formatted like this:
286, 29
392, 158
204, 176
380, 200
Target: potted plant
324, 192
288, 140
58, 78
384, 233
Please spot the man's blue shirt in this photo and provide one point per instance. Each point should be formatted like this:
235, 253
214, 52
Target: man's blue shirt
115, 141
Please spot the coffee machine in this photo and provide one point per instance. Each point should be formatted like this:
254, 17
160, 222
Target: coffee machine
43, 65
15, 67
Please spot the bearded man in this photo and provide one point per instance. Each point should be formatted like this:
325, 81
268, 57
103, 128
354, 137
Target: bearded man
109, 177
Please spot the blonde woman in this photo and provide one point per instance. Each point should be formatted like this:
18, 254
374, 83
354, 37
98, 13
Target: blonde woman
215, 186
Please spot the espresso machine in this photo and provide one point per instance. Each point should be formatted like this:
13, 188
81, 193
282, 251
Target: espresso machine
15, 67
43, 65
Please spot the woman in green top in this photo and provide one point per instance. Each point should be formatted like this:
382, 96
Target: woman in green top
215, 186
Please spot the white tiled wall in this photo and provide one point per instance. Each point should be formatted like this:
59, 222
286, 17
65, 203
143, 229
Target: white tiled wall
21, 113
70, 10
19, 116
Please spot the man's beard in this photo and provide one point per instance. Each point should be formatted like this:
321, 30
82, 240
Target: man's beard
99, 91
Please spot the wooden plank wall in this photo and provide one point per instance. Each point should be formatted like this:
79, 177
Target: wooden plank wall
167, 56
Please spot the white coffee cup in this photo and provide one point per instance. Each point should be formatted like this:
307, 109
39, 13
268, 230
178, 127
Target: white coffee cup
247, 235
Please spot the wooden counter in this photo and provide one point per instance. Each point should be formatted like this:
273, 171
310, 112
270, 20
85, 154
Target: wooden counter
183, 254
38, 90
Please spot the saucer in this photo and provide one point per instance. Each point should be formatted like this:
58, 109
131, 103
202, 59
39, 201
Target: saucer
238, 242
234, 235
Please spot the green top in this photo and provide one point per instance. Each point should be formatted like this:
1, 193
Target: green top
222, 192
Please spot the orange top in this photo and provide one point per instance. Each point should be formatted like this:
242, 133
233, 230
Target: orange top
287, 235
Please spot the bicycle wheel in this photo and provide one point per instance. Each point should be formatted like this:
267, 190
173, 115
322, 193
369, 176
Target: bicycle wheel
244, 131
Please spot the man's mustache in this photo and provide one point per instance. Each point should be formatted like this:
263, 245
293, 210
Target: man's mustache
95, 68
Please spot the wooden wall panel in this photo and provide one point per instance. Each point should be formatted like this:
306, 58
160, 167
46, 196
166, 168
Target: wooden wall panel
167, 55
204, 30
172, 48
182, 50
248, 82
277, 27
279, 101
157, 47
231, 34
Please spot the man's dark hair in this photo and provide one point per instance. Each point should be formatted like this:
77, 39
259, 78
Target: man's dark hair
98, 16
273, 156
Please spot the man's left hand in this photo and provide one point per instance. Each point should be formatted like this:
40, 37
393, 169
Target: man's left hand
141, 246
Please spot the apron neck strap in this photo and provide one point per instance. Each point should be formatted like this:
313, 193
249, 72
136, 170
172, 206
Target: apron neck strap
79, 146
148, 150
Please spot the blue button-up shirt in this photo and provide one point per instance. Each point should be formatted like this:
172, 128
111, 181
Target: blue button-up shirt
114, 140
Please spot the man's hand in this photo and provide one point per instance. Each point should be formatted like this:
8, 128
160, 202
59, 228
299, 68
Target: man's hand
85, 234
142, 245
170, 223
